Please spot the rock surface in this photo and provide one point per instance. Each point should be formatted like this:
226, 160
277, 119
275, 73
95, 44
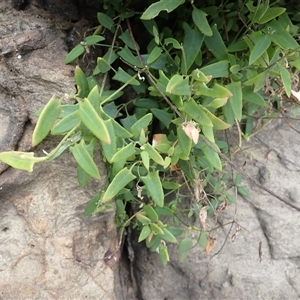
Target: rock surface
48, 249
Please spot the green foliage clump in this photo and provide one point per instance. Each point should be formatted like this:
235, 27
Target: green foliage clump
179, 72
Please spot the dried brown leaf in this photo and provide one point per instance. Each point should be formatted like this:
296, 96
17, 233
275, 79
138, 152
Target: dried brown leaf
191, 131
203, 216
210, 244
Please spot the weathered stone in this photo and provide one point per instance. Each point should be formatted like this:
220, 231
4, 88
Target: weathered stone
48, 249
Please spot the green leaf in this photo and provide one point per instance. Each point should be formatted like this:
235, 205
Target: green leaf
202, 239
154, 9
150, 213
215, 44
127, 55
108, 150
126, 38
184, 141
145, 159
192, 42
84, 177
178, 85
124, 77
258, 81
217, 91
169, 185
218, 124
84, 159
208, 132
81, 83
238, 179
199, 18
153, 154
117, 184
124, 153
105, 20
154, 187
154, 55
259, 48
286, 79
143, 219
172, 41
141, 124
217, 70
212, 157
20, 160
271, 13
144, 233
236, 100
74, 53
218, 102
94, 39
92, 121
195, 111
254, 98
184, 248
46, 120
243, 192
103, 65
164, 117
92, 205
156, 229
164, 211
168, 236
163, 255
65, 124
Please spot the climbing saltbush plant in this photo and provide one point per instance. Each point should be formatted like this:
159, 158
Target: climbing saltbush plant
172, 74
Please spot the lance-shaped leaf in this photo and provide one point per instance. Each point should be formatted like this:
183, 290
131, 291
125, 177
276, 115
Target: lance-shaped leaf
168, 236
259, 48
199, 18
151, 213
153, 154
66, 124
195, 111
154, 9
82, 175
163, 254
84, 159
154, 187
46, 120
105, 20
236, 100
20, 160
212, 157
141, 124
74, 53
178, 85
218, 124
124, 77
124, 153
217, 91
286, 79
92, 121
117, 184
127, 56
81, 83
144, 233
184, 141
184, 248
